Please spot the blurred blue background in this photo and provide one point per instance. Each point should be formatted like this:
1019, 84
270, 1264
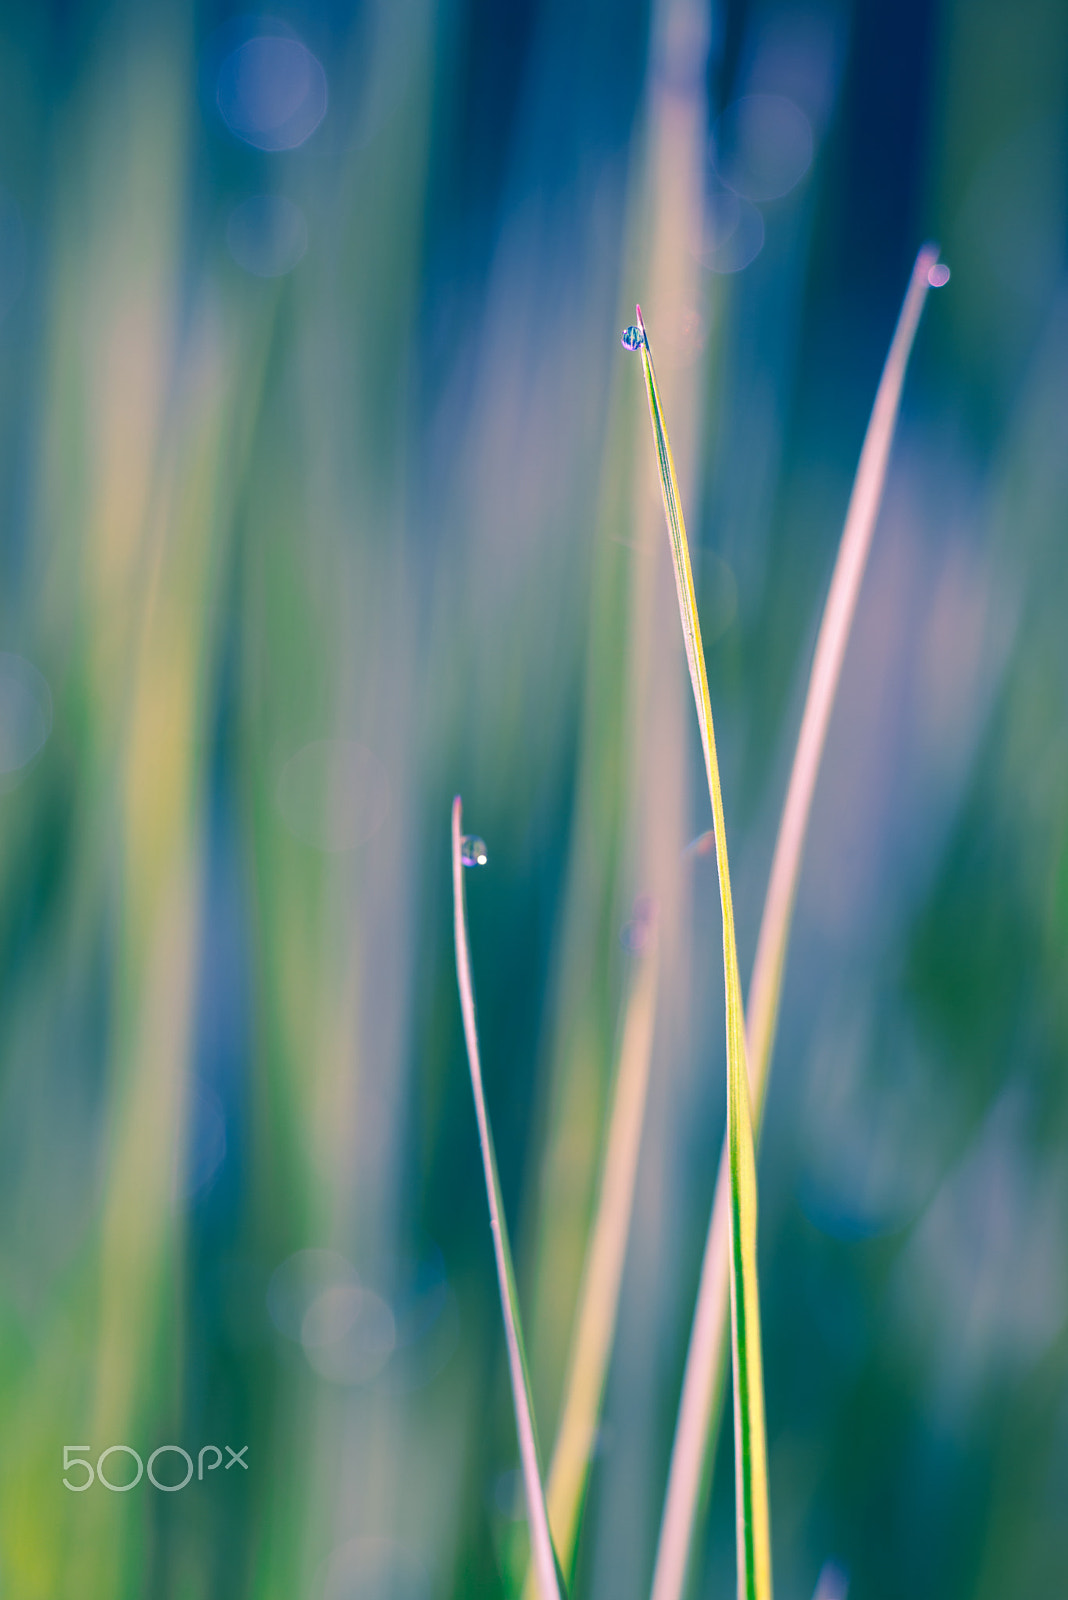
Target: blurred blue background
325, 492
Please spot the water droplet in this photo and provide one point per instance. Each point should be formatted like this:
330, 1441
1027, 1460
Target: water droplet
938, 276
703, 845
473, 851
632, 338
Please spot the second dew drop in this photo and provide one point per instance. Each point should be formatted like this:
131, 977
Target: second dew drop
473, 851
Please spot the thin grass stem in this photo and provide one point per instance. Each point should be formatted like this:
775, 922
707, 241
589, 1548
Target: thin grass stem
543, 1556
701, 1401
752, 1518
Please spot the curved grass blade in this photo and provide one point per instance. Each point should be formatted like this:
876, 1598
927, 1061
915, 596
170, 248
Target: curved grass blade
863, 509
543, 1556
752, 1519
702, 1390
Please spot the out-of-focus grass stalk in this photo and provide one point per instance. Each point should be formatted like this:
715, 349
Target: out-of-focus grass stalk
864, 502
542, 1553
752, 1519
599, 1296
145, 426
141, 1282
702, 1389
631, 814
326, 600
124, 600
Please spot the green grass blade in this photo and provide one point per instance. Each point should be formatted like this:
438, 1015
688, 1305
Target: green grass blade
702, 1389
750, 1446
543, 1556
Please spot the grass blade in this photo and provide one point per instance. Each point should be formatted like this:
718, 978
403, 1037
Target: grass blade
543, 1556
862, 511
750, 1446
603, 1272
699, 1407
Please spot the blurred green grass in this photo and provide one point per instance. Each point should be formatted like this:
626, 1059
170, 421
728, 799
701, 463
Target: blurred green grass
381, 504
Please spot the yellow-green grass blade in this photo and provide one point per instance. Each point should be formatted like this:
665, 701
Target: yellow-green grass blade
543, 1556
752, 1519
702, 1390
